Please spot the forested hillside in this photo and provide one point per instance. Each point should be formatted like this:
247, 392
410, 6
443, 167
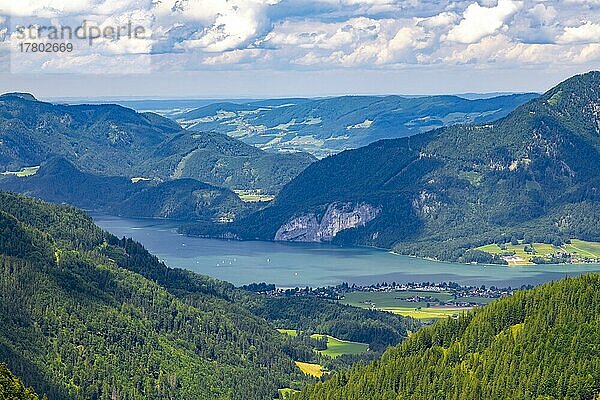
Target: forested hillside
86, 315
378, 329
224, 161
531, 176
77, 322
537, 344
112, 140
59, 181
11, 387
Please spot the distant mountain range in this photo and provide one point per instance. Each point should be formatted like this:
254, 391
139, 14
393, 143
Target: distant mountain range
327, 126
532, 174
164, 107
440, 193
116, 141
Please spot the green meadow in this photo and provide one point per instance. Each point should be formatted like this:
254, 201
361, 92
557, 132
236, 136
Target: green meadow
291, 332
27, 171
315, 370
335, 347
583, 248
287, 393
396, 302
579, 248
383, 300
253, 196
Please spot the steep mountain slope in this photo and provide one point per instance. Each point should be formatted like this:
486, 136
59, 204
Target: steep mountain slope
11, 387
224, 161
113, 140
60, 181
85, 315
106, 138
78, 321
327, 126
537, 344
531, 174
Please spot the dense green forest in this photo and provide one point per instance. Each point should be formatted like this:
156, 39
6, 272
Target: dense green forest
59, 181
76, 322
313, 315
86, 315
542, 343
111, 140
531, 175
11, 387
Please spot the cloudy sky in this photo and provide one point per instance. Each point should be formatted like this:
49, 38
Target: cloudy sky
258, 48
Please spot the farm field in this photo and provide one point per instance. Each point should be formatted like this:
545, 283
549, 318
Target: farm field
252, 196
381, 300
541, 249
291, 332
583, 248
315, 370
577, 247
287, 393
395, 302
478, 300
27, 171
336, 347
429, 313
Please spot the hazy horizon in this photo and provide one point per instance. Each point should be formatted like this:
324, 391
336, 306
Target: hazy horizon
251, 99
236, 85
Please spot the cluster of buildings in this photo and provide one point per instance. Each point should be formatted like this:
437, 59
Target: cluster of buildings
340, 291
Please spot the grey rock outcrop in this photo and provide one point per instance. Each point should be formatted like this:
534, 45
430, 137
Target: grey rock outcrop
337, 217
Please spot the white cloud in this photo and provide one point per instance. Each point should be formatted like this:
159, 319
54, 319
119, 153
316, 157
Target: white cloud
543, 13
584, 2
589, 53
330, 36
479, 21
65, 8
443, 19
502, 50
98, 64
237, 57
359, 41
586, 33
282, 34
217, 25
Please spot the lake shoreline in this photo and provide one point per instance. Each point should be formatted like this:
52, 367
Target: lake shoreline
177, 226
316, 265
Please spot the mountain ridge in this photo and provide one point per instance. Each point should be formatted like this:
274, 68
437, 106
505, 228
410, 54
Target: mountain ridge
109, 139
448, 190
58, 180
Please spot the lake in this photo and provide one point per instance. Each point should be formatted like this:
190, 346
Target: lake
297, 264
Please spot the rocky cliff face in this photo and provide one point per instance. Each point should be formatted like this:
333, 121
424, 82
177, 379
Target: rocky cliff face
339, 216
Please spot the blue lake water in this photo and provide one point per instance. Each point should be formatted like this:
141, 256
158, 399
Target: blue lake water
293, 264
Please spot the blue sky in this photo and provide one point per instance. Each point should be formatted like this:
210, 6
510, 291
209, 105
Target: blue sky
261, 48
